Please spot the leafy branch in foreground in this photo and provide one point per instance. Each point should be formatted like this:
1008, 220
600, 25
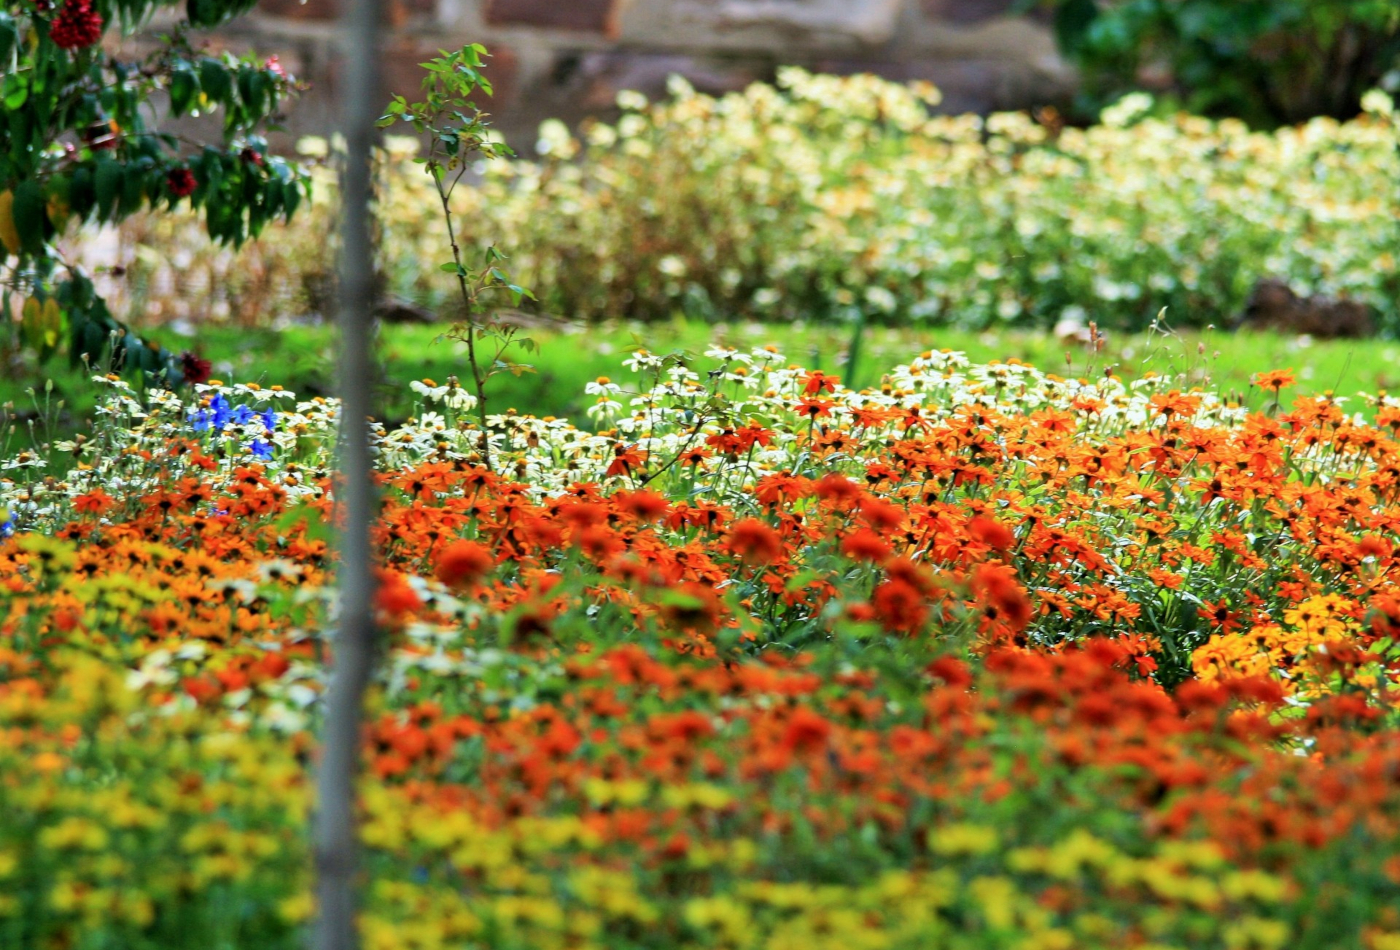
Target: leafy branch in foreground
78, 148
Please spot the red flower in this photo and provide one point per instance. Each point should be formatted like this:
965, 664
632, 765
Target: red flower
181, 182
1373, 545
77, 25
195, 369
463, 563
915, 575
751, 435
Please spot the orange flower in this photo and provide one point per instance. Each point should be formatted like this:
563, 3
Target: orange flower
900, 607
991, 532
1274, 379
865, 545
642, 505
94, 502
393, 596
806, 730
754, 542
462, 563
1004, 598
626, 460
816, 382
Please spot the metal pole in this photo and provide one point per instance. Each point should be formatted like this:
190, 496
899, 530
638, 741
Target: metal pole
336, 837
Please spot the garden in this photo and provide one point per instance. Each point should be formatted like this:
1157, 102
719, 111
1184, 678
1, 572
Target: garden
802, 519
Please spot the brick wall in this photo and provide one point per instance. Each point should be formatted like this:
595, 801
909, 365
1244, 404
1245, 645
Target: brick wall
569, 58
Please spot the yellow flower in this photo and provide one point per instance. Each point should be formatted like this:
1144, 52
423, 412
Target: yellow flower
962, 839
1259, 885
1256, 933
997, 897
74, 832
297, 908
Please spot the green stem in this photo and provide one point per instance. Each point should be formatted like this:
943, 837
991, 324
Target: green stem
469, 299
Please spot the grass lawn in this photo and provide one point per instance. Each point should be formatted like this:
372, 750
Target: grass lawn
302, 359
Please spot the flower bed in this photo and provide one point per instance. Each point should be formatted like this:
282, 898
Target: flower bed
982, 658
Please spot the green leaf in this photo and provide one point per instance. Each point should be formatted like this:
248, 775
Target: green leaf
31, 219
214, 80
204, 12
89, 339
1072, 22
132, 195
80, 192
107, 183
15, 91
9, 36
184, 88
291, 199
264, 92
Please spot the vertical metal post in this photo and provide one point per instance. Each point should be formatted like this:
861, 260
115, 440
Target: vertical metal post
335, 831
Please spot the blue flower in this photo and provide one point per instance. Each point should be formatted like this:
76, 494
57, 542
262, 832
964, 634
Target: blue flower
269, 419
222, 412
262, 449
8, 527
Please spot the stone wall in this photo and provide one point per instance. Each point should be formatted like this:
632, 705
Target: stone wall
570, 58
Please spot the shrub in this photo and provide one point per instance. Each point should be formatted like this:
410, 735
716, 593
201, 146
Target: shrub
1269, 62
827, 198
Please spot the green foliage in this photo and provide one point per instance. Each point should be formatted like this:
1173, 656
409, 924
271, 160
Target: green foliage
77, 148
1270, 62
